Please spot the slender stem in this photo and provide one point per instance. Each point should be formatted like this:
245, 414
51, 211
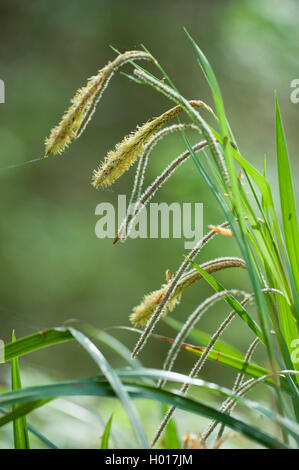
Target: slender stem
199, 364
127, 223
172, 286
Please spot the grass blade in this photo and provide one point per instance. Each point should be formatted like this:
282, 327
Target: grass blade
20, 431
36, 341
58, 335
106, 434
114, 344
171, 436
115, 382
96, 387
287, 199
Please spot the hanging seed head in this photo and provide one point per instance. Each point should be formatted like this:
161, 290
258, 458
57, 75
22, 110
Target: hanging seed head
83, 104
126, 152
143, 312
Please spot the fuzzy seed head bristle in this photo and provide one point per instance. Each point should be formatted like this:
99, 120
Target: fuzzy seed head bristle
83, 104
126, 152
143, 312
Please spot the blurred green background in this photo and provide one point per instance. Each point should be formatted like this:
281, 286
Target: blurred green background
53, 268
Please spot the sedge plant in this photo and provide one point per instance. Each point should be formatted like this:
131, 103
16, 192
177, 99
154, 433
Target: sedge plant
268, 246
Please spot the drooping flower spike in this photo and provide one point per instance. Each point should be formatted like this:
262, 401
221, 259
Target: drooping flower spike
83, 104
143, 312
131, 147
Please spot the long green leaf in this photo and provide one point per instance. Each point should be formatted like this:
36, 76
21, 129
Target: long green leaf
115, 345
220, 356
36, 341
287, 198
239, 229
115, 382
20, 431
22, 410
171, 439
94, 387
57, 335
32, 404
